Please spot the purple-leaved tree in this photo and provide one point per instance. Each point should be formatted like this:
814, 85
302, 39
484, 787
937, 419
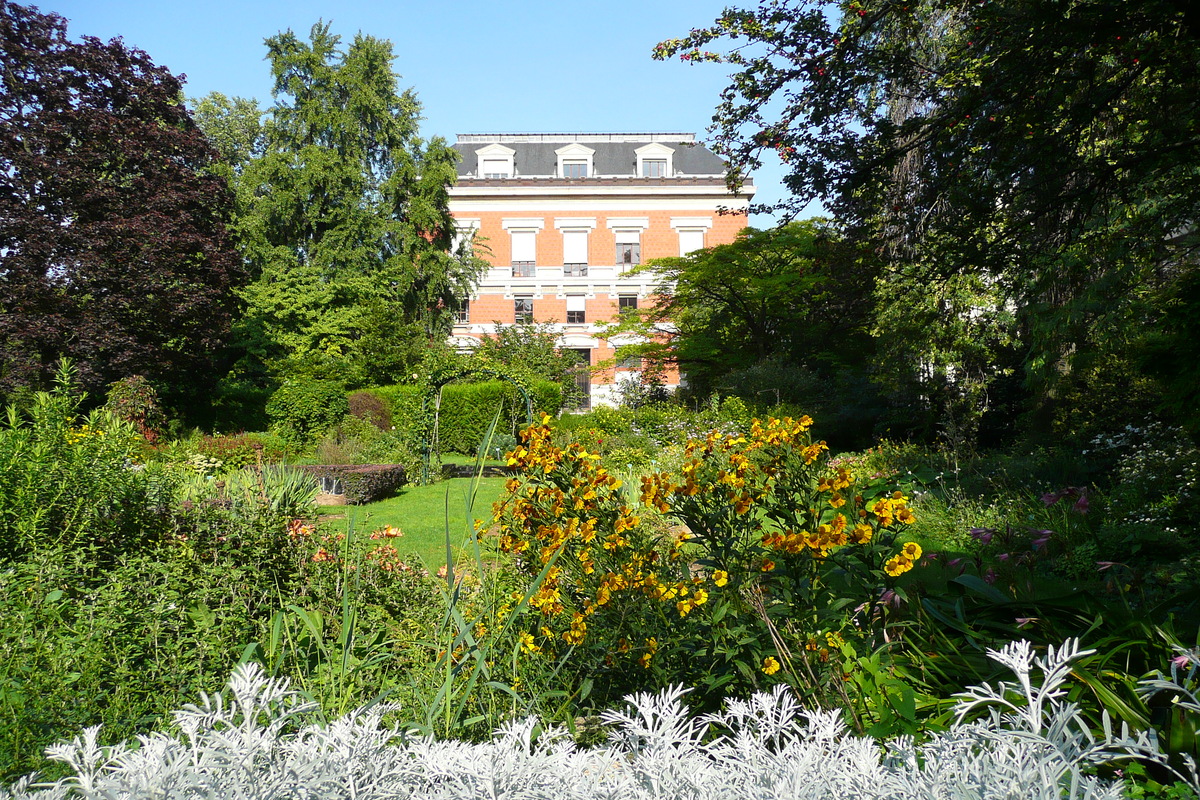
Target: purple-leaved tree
113, 243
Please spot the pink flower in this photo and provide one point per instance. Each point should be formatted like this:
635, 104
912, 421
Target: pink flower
1181, 661
984, 535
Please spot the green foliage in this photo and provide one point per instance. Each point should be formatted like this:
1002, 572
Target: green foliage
1040, 225
239, 403
466, 410
1170, 352
234, 128
533, 349
119, 596
300, 411
798, 294
135, 401
344, 218
68, 481
237, 451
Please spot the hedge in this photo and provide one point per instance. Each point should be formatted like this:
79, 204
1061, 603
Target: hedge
468, 408
360, 483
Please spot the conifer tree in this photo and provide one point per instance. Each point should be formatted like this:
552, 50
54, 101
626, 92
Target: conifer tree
345, 218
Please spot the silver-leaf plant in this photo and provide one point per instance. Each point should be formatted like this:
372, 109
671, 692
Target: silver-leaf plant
1015, 740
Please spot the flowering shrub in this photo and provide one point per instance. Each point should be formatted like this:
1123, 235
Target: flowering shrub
754, 564
254, 742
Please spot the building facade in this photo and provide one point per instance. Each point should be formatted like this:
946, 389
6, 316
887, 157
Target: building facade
562, 218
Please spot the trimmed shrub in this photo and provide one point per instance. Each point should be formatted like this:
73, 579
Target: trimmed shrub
302, 410
360, 483
404, 402
467, 409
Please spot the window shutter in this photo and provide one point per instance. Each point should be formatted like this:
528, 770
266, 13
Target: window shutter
628, 237
524, 247
690, 241
495, 167
575, 247
576, 302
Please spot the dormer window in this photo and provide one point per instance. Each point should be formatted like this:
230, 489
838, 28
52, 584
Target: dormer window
575, 161
654, 168
495, 162
655, 160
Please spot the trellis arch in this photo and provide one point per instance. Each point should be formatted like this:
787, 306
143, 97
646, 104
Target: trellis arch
431, 401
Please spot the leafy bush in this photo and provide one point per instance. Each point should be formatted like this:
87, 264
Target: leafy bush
135, 401
253, 740
285, 492
72, 483
1152, 490
300, 411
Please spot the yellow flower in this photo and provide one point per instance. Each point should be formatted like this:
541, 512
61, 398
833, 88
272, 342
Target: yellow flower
768, 565
528, 644
862, 534
770, 665
699, 597
720, 577
911, 550
897, 565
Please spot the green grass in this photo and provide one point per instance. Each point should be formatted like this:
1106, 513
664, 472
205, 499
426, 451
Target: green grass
422, 513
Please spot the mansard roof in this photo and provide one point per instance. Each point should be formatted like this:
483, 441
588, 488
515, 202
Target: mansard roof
615, 154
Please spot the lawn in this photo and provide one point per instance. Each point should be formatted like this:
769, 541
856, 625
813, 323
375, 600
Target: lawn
424, 514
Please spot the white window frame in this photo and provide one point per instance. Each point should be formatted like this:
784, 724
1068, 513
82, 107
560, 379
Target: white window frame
691, 225
655, 152
579, 301
526, 225
628, 227
519, 298
576, 225
575, 153
495, 152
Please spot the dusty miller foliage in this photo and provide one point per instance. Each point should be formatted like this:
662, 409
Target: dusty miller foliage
1025, 741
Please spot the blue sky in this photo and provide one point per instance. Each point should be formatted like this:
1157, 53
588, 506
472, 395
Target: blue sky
477, 67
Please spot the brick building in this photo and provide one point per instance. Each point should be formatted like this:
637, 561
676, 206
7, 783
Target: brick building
561, 217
